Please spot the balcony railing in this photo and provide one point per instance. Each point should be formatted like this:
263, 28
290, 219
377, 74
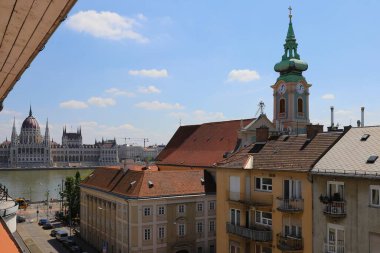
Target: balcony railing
290, 205
289, 243
254, 234
266, 199
334, 248
335, 209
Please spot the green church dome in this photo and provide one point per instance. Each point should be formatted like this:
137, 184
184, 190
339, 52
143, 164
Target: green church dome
291, 66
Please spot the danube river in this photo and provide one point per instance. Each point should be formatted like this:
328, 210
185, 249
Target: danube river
34, 184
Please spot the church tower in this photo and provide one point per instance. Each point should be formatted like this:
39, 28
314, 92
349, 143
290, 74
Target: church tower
291, 90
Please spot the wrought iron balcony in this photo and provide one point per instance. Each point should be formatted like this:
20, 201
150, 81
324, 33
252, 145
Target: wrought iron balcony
254, 234
265, 199
290, 205
288, 243
334, 248
335, 209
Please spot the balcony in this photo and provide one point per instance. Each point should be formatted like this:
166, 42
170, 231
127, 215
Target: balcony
265, 199
254, 234
288, 243
290, 205
335, 209
333, 248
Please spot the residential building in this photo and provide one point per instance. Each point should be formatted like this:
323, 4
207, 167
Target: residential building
346, 189
264, 193
149, 211
31, 149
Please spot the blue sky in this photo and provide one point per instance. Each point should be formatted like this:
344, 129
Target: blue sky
136, 68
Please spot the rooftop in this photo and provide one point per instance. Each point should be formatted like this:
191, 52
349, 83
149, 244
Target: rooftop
350, 155
8, 243
201, 145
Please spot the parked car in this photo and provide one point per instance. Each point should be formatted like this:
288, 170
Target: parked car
61, 235
47, 225
43, 222
53, 232
20, 219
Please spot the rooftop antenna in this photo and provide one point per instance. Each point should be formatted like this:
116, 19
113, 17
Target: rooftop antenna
260, 110
180, 122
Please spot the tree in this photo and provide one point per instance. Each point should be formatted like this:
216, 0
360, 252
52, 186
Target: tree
72, 196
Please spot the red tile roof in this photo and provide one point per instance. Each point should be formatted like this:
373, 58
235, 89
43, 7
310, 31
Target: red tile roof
8, 243
146, 183
285, 153
201, 145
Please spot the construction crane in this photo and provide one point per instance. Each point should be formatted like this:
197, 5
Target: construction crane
145, 140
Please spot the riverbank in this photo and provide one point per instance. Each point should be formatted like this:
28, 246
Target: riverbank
51, 168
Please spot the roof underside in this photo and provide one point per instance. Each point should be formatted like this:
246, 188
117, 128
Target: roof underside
25, 27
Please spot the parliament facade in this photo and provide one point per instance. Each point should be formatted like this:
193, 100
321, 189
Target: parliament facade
31, 149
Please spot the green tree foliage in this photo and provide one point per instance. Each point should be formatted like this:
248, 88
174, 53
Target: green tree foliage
72, 196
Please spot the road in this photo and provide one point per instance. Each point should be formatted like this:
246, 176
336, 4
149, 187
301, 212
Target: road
39, 240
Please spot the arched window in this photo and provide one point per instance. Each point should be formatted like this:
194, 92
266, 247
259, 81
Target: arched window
282, 105
300, 105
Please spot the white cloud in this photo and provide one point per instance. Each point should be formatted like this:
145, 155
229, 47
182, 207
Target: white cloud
154, 73
119, 92
243, 75
203, 116
105, 24
101, 102
141, 17
73, 104
149, 89
328, 96
156, 105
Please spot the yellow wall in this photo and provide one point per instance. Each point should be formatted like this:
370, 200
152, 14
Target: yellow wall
223, 205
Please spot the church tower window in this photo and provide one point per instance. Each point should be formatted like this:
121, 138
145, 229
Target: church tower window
282, 105
300, 105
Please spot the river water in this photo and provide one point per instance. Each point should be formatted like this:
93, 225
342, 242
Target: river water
34, 184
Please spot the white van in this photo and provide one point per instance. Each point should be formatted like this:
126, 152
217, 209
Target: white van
61, 235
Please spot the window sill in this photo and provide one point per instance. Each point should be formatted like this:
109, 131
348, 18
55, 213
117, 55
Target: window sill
374, 206
259, 190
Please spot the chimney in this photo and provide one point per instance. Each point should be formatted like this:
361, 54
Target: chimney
313, 130
332, 116
358, 123
346, 128
262, 134
362, 119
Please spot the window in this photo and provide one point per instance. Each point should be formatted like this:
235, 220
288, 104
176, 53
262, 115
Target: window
235, 216
147, 234
300, 105
335, 238
234, 187
181, 230
364, 137
200, 227
212, 226
161, 210
335, 190
200, 207
181, 208
372, 159
292, 189
282, 105
263, 184
263, 249
161, 232
264, 218
292, 230
199, 250
146, 211
375, 198
212, 205
234, 248
212, 249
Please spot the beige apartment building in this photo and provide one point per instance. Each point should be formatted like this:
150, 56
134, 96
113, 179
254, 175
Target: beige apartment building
264, 193
149, 211
346, 190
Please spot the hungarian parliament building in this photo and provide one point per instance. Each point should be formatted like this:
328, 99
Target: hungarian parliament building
31, 149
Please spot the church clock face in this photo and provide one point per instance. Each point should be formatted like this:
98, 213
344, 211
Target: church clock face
282, 89
300, 88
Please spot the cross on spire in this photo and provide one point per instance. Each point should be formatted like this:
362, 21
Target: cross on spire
290, 13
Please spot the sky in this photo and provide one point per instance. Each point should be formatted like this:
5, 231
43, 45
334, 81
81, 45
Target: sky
139, 68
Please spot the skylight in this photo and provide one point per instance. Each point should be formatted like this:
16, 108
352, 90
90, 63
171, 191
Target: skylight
372, 159
256, 148
364, 137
